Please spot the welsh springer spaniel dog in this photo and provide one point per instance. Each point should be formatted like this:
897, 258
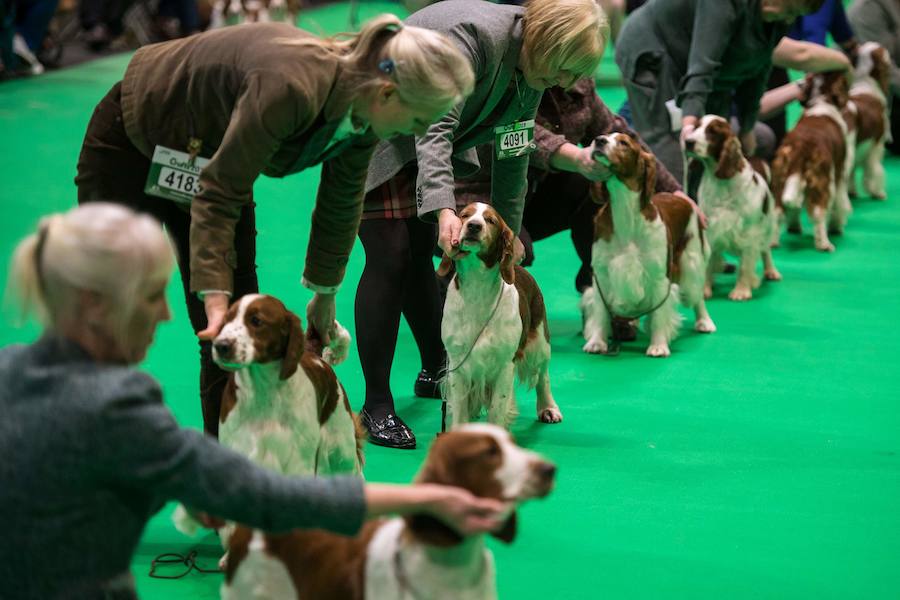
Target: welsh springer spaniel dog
494, 326
740, 209
283, 406
869, 97
649, 252
400, 558
811, 164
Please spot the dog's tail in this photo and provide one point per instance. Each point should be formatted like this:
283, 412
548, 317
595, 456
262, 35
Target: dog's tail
184, 522
337, 349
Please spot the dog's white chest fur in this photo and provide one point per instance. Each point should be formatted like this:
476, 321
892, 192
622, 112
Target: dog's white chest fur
478, 321
631, 268
735, 211
398, 569
274, 423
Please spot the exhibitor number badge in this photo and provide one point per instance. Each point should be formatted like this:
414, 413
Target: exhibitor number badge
174, 176
515, 139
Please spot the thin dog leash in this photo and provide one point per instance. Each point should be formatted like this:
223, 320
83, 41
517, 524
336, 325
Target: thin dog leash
466, 357
615, 349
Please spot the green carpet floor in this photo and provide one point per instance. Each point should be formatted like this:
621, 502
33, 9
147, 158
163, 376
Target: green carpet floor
759, 462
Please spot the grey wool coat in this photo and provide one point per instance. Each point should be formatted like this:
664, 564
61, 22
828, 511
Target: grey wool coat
90, 453
490, 35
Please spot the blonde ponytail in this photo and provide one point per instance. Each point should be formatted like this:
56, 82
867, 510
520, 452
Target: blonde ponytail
424, 65
99, 247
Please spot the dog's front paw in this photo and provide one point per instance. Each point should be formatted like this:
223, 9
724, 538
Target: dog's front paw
740, 293
550, 415
705, 325
825, 246
595, 346
772, 274
659, 350
878, 195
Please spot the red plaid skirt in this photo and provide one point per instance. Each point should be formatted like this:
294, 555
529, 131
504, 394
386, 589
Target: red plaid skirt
393, 199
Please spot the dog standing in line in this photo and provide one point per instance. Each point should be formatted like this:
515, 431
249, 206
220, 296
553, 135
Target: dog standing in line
494, 326
869, 97
649, 252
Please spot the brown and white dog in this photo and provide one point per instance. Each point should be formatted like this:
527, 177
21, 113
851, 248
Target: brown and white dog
740, 210
494, 326
811, 164
648, 252
401, 558
869, 96
283, 406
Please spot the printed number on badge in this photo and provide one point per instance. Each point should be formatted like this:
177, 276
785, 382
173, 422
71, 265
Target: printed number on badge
515, 139
174, 175
179, 181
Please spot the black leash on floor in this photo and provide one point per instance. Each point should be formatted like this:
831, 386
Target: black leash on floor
189, 561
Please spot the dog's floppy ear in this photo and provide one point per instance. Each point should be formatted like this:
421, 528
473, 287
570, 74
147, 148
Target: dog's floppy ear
729, 158
881, 69
425, 527
806, 89
507, 533
507, 256
294, 346
649, 187
446, 267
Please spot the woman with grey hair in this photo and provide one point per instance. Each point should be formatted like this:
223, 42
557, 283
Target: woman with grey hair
90, 450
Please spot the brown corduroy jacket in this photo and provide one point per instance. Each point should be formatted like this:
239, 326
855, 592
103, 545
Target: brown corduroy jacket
259, 105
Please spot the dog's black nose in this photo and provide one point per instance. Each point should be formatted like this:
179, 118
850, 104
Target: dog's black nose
547, 471
600, 142
223, 347
474, 227
689, 145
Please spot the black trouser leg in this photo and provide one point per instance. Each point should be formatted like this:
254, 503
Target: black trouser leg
422, 299
379, 301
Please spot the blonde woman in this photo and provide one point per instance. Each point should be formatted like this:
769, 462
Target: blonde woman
516, 53
90, 450
195, 121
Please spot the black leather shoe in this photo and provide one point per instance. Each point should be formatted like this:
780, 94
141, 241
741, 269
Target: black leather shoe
428, 385
390, 431
729, 267
623, 330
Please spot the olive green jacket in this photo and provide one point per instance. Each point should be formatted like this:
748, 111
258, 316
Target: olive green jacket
259, 104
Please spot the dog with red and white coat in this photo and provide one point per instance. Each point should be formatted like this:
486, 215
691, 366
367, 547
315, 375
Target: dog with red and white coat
283, 406
811, 165
869, 97
494, 326
740, 210
649, 252
402, 558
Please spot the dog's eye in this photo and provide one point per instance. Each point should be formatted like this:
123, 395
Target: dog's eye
492, 451
490, 220
255, 321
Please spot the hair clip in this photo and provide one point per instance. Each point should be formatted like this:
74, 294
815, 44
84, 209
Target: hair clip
386, 66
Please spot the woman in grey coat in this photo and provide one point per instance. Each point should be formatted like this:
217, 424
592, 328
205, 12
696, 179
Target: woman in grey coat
90, 450
516, 53
682, 59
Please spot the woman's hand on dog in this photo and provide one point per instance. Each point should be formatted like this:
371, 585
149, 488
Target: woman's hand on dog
449, 227
464, 512
216, 305
320, 315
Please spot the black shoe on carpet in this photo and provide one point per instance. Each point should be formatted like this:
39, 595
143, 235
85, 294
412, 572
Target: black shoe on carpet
428, 384
390, 431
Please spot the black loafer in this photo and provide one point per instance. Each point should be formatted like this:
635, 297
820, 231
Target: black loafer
390, 431
428, 385
623, 330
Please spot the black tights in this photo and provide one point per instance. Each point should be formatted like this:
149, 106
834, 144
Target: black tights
398, 278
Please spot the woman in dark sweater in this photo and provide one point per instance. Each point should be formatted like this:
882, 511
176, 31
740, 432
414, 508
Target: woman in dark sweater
91, 452
700, 55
